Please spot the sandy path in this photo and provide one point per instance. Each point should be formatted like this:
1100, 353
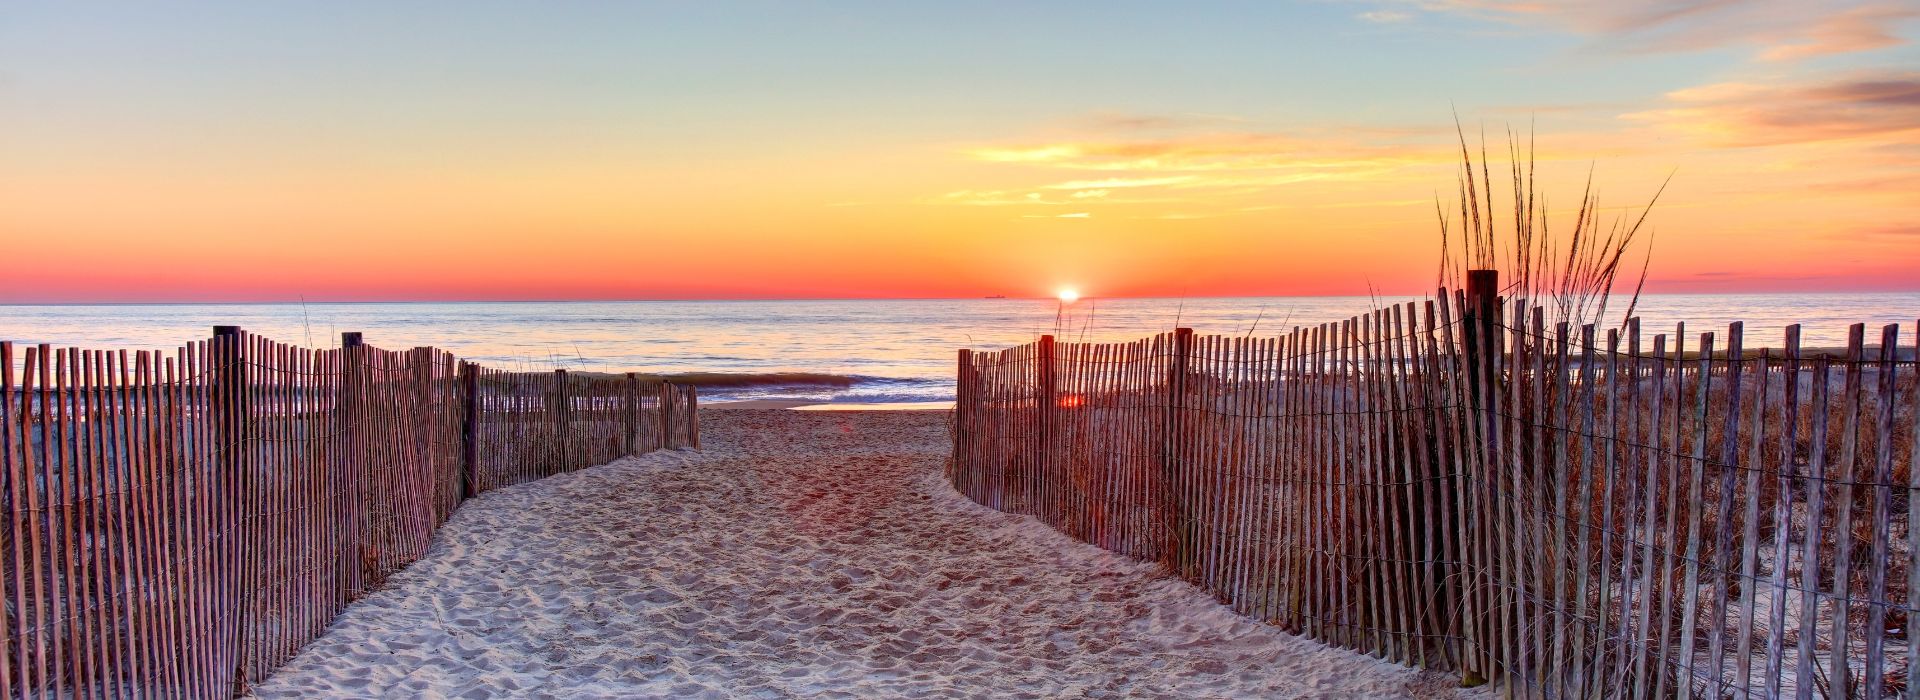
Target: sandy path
801, 555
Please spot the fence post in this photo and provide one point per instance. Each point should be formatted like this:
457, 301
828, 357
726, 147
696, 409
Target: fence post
961, 439
633, 413
666, 416
693, 415
563, 419
1172, 512
1481, 319
1047, 483
1479, 330
228, 405
348, 409
470, 430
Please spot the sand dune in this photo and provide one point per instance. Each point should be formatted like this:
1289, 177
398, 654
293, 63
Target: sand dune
800, 555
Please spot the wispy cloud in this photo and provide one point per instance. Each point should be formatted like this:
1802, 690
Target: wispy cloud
1884, 105
1385, 16
1280, 179
1213, 170
994, 198
1377, 204
1207, 153
1044, 197
1858, 29
1903, 183
1784, 30
1122, 182
1887, 232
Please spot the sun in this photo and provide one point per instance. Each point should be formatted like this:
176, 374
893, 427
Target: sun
1068, 296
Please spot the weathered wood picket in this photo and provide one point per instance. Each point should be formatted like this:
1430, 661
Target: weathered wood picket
1460, 484
180, 524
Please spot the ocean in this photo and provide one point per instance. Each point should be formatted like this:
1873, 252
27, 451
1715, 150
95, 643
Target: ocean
869, 351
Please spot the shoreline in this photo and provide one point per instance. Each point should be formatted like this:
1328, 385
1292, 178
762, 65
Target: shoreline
807, 405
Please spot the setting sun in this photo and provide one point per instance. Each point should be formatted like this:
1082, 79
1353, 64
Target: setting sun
1068, 296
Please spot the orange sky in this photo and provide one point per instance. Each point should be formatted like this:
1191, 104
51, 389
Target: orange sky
301, 151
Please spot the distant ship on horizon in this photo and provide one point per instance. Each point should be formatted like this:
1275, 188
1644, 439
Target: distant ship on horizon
996, 296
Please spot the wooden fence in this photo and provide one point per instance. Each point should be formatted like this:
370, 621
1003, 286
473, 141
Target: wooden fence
181, 524
1461, 485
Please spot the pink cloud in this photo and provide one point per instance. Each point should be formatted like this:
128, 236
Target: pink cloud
1787, 30
1858, 29
1882, 105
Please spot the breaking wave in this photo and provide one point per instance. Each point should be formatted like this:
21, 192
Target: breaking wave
813, 386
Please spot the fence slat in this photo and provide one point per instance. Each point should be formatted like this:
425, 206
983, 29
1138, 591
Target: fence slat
1816, 513
1750, 538
1721, 570
1913, 534
1881, 514
1839, 671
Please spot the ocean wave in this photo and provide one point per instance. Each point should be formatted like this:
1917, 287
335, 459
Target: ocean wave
757, 379
814, 386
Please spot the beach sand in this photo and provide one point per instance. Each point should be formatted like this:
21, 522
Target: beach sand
799, 555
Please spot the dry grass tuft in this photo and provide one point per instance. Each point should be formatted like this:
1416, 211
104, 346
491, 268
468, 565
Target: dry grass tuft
1574, 276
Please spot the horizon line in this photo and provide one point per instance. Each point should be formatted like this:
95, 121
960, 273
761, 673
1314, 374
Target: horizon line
659, 300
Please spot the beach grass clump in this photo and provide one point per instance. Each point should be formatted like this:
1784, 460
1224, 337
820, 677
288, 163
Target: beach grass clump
1574, 274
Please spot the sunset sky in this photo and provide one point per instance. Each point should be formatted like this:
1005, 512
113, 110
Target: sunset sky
471, 150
